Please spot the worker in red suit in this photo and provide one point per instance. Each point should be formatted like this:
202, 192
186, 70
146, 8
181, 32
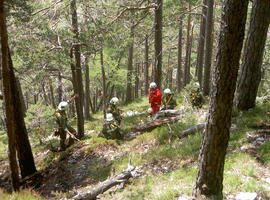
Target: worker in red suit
154, 97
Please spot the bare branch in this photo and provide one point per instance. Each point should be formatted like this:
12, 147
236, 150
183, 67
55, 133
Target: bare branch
47, 8
127, 8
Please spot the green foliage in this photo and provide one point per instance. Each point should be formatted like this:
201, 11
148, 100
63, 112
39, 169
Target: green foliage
40, 121
240, 174
3, 144
264, 153
22, 195
19, 9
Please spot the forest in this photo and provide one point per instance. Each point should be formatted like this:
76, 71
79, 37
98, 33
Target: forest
134, 99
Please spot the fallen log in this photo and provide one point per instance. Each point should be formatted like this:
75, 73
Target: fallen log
264, 125
148, 126
167, 113
192, 130
132, 113
104, 186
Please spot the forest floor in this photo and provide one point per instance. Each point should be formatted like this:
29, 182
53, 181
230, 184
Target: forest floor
168, 165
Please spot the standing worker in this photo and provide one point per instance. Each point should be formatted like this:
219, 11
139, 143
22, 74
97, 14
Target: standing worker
168, 102
64, 127
154, 97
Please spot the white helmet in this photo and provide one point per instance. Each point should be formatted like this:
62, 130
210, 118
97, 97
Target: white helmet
109, 117
196, 84
62, 105
114, 100
153, 85
149, 110
167, 91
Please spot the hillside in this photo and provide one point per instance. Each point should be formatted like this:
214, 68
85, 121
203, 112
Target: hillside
167, 165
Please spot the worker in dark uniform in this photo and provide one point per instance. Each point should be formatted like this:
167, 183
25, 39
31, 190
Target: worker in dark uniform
64, 127
115, 110
111, 128
168, 102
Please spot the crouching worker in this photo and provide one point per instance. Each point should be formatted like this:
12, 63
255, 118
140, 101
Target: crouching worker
111, 128
168, 102
114, 110
64, 127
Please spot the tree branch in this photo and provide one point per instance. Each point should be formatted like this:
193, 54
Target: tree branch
107, 184
127, 8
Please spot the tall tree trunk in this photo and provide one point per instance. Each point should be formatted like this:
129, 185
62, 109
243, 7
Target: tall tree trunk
104, 99
158, 43
1, 77
77, 54
21, 96
60, 87
187, 62
15, 123
146, 66
95, 100
190, 48
153, 69
208, 47
130, 66
52, 95
46, 100
250, 71
35, 98
169, 72
87, 89
9, 98
216, 136
200, 54
137, 80
179, 75
27, 100
75, 88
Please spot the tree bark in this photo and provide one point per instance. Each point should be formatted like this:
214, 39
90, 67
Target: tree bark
45, 97
136, 89
9, 101
87, 89
52, 95
75, 88
130, 66
188, 47
77, 54
103, 84
60, 87
217, 132
179, 75
208, 47
200, 54
250, 71
158, 43
146, 66
170, 71
21, 96
16, 130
